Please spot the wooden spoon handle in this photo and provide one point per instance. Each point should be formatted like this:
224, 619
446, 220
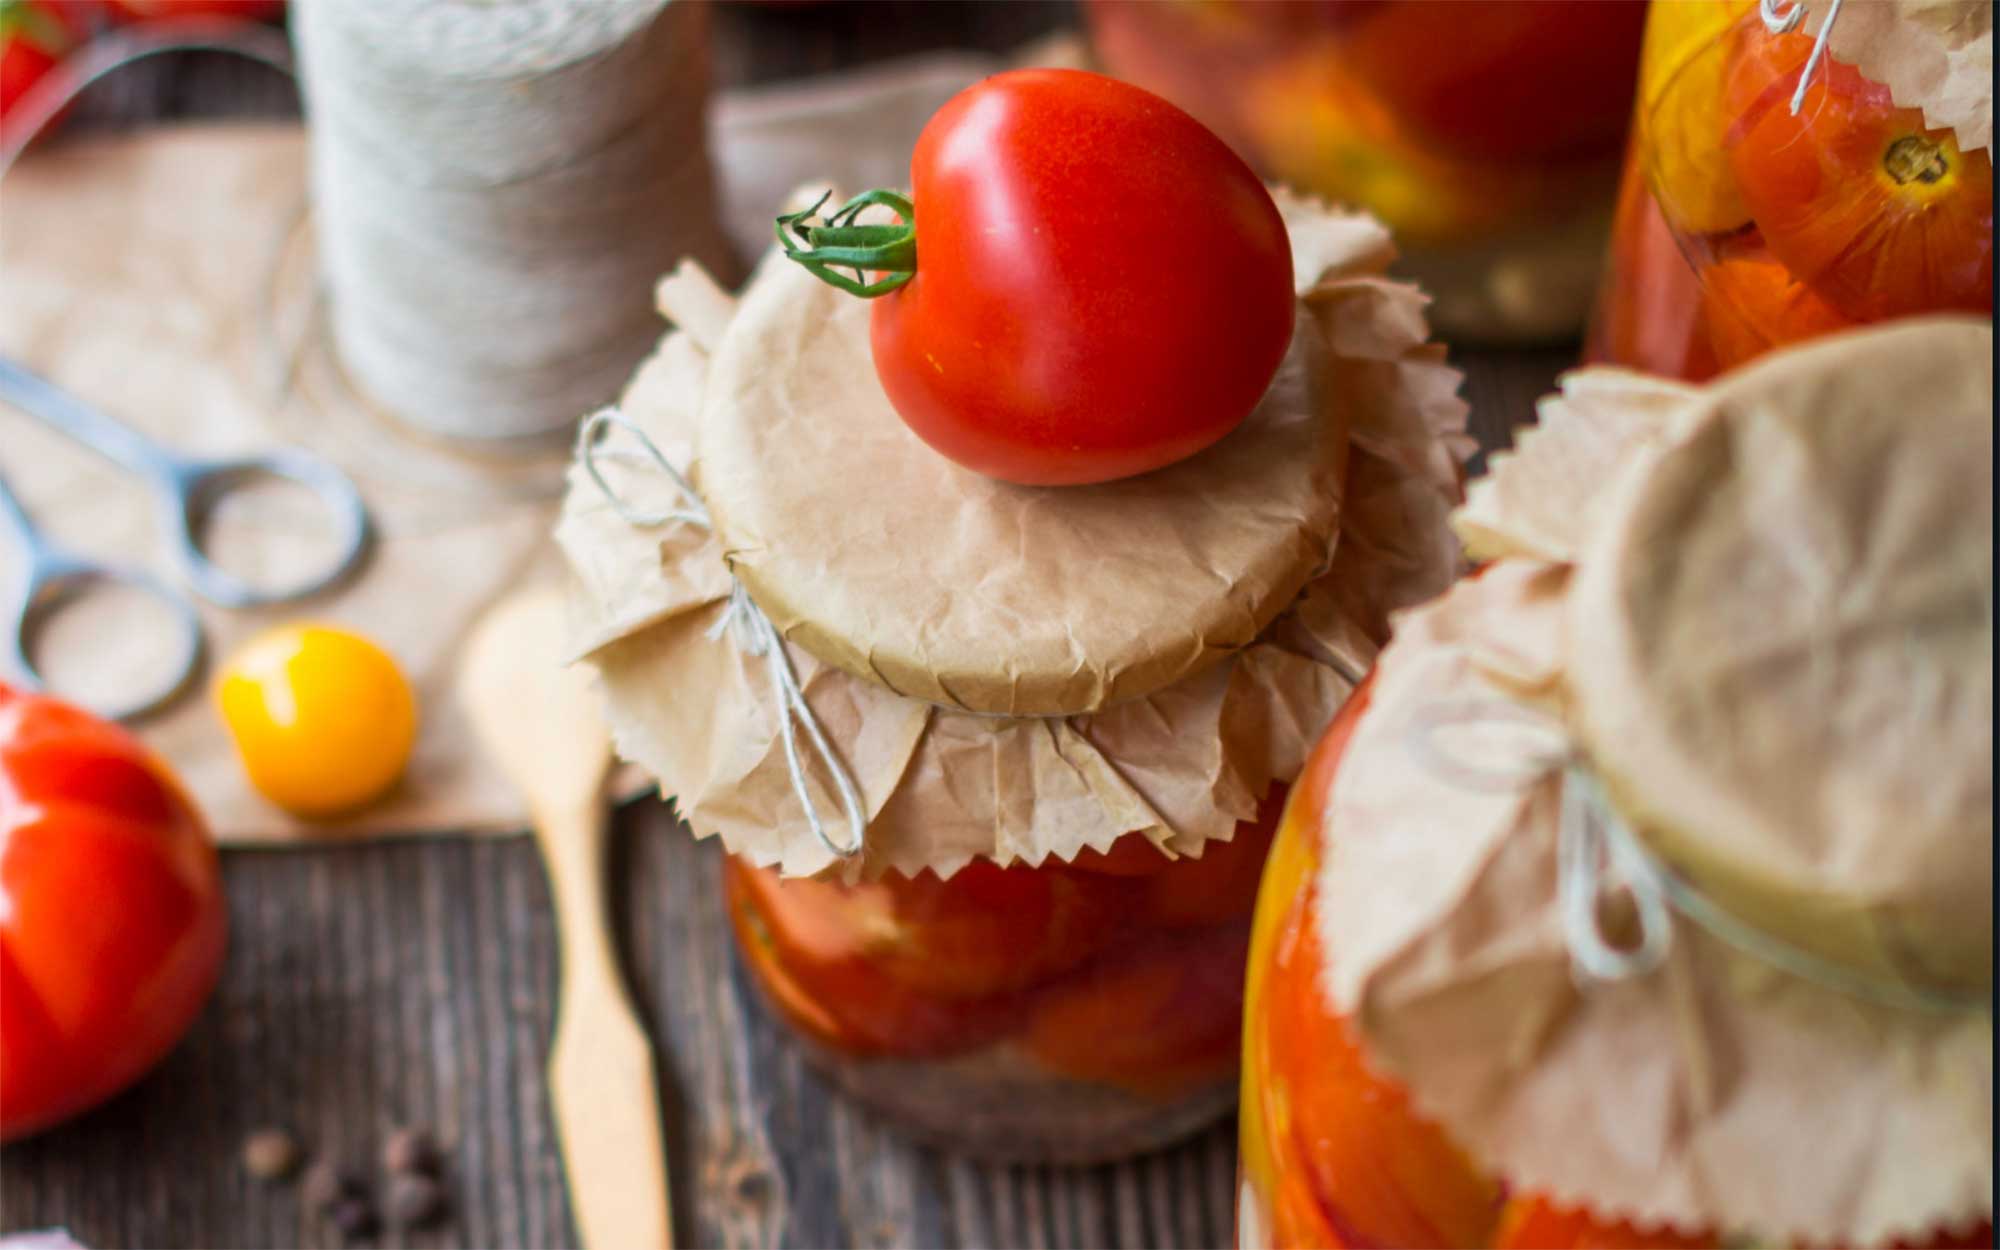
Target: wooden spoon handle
602, 1084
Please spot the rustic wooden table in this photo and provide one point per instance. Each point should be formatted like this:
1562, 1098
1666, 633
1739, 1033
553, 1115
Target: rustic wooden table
387, 984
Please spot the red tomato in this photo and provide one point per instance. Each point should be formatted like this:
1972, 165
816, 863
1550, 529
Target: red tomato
111, 911
795, 946
989, 930
1880, 216
1161, 1018
1102, 287
1221, 887
33, 37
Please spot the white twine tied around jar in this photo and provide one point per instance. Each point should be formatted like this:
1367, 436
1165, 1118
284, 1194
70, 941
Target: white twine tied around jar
745, 622
1781, 17
1598, 855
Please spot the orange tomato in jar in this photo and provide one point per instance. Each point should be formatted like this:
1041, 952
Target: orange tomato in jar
1877, 214
1221, 887
794, 934
989, 930
1158, 1018
1503, 81
1749, 306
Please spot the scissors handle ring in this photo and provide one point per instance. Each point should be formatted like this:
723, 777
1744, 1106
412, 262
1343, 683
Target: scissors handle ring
54, 577
193, 488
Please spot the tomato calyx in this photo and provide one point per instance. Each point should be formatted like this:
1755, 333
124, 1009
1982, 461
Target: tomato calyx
841, 243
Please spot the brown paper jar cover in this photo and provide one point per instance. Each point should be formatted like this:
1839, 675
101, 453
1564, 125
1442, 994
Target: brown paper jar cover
1018, 601
1178, 765
1767, 630
1933, 55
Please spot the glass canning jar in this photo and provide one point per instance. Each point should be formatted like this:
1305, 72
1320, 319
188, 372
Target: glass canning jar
1486, 133
1063, 1013
1742, 227
1332, 1154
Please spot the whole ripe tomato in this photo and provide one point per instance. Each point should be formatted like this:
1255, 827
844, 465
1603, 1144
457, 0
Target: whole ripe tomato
1879, 215
1101, 287
33, 37
112, 918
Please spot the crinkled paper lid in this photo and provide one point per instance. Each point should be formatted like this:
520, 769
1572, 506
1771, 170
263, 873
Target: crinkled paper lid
1179, 765
881, 557
1933, 55
1768, 632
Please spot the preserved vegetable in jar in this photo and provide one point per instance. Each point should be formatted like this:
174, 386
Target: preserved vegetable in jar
994, 828
1744, 225
1486, 133
1061, 1012
1579, 839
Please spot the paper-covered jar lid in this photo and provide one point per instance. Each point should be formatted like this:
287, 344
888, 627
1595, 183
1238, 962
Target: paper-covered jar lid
1182, 637
884, 559
1660, 869
1935, 56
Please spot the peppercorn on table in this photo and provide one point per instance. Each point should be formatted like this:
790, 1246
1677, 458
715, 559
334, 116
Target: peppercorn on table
377, 988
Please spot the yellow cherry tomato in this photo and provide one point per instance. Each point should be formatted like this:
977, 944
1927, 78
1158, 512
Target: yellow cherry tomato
322, 718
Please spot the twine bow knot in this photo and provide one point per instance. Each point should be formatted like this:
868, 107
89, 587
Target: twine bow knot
1599, 855
746, 624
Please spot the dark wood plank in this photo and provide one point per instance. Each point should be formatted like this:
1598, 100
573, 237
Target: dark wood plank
389, 983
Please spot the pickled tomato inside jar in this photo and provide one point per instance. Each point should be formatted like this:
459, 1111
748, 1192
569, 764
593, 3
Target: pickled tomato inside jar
1755, 227
1064, 1012
1485, 133
1332, 1153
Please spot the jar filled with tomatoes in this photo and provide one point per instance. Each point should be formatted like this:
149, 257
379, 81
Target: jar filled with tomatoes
994, 726
1588, 924
1773, 194
1486, 133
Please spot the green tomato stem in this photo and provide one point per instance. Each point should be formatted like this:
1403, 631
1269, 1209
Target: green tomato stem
839, 243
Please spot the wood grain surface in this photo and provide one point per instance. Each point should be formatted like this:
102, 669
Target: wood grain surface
400, 983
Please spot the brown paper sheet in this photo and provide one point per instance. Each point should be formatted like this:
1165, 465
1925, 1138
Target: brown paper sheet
1178, 767
1716, 1091
160, 276
1933, 55
1019, 601
1869, 517
1536, 501
167, 276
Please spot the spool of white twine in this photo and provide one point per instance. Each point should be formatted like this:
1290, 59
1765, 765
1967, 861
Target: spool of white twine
497, 184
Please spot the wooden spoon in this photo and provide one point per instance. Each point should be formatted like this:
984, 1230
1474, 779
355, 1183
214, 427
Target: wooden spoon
539, 720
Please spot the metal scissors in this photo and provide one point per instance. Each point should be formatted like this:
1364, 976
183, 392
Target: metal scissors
186, 491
